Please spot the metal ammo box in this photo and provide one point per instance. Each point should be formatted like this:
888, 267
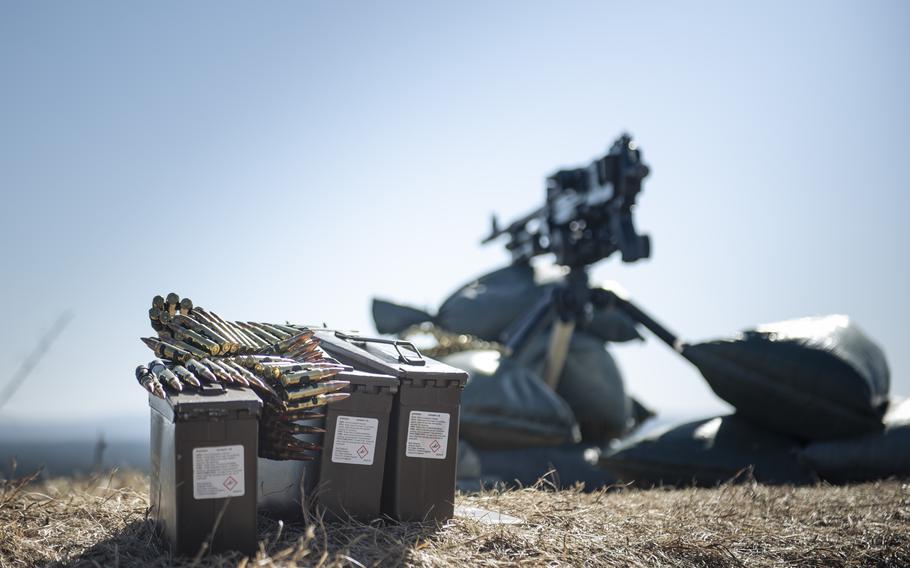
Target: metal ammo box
203, 468
419, 479
354, 447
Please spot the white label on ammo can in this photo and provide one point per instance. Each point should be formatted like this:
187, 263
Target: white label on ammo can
428, 435
218, 472
355, 440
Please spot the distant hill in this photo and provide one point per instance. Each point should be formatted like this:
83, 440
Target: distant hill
64, 448
68, 458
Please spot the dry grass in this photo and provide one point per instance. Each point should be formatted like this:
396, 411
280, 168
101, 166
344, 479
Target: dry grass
102, 522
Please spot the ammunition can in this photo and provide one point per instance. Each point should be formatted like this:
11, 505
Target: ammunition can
419, 479
203, 469
354, 447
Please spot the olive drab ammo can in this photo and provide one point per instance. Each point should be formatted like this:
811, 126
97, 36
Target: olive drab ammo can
354, 449
419, 477
203, 468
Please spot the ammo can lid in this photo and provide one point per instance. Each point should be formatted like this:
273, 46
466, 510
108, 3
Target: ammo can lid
212, 401
369, 380
386, 356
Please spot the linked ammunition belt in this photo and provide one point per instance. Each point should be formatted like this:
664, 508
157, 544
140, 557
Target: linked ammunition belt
283, 363
447, 343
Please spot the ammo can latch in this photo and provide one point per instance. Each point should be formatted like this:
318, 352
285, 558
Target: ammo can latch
396, 343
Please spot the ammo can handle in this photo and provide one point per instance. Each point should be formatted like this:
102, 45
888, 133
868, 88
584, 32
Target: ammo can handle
396, 343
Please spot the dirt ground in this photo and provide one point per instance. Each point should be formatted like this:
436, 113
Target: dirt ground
102, 521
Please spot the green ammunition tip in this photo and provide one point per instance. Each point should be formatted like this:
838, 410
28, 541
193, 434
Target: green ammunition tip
186, 306
158, 302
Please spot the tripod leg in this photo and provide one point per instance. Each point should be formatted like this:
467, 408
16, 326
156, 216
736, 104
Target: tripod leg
560, 337
609, 298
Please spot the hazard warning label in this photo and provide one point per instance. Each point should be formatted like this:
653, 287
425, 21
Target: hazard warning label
218, 472
355, 440
428, 435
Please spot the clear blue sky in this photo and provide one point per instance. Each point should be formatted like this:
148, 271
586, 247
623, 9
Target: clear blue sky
290, 160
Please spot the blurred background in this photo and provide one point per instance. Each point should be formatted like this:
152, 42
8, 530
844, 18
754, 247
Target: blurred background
291, 160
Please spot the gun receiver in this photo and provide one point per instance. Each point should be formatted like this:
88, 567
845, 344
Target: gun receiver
587, 215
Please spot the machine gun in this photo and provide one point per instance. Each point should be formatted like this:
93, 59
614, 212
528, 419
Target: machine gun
587, 215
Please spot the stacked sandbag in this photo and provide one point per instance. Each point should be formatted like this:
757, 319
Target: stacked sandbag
513, 408
505, 405
590, 383
489, 305
707, 453
818, 378
392, 318
867, 457
809, 395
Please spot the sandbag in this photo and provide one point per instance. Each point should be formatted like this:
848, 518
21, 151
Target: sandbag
639, 413
590, 382
394, 318
488, 306
506, 405
864, 458
611, 324
707, 453
562, 467
485, 307
817, 378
